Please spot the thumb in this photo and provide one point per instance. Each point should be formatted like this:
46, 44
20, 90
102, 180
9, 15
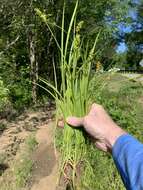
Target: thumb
75, 121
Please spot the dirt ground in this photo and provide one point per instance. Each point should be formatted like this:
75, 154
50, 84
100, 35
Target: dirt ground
44, 174
45, 171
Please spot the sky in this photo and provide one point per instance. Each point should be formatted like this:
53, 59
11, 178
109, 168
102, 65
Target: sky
126, 29
121, 48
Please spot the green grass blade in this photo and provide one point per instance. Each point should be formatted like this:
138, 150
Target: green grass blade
70, 28
47, 91
52, 87
62, 52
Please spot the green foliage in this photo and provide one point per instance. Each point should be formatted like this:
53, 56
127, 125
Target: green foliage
124, 112
18, 23
134, 39
105, 175
18, 89
4, 96
20, 94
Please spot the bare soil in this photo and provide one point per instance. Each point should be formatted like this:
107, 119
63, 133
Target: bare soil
45, 158
45, 171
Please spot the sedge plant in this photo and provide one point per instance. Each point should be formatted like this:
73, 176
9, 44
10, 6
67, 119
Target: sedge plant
73, 96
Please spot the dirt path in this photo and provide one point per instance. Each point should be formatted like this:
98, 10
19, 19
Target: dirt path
45, 171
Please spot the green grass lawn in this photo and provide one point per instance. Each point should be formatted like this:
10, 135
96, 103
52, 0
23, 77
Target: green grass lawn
123, 100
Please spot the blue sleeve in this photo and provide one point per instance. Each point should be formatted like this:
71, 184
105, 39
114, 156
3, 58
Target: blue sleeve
127, 153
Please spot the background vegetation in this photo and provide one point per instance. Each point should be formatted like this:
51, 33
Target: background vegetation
28, 50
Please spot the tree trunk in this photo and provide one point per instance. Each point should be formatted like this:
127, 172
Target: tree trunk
34, 66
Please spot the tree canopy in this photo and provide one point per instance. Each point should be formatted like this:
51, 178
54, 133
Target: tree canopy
28, 49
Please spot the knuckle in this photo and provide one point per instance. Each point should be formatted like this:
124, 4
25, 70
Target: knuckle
85, 120
97, 106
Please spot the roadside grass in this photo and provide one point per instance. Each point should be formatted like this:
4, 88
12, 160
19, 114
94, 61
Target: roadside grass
20, 170
123, 100
23, 172
123, 104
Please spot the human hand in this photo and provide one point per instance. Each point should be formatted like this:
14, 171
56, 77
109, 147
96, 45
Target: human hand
100, 126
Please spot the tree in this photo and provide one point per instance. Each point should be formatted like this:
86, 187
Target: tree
134, 39
28, 49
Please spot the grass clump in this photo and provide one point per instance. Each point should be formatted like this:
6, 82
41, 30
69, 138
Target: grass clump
23, 172
73, 96
31, 143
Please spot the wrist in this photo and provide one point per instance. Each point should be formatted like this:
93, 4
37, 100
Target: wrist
114, 135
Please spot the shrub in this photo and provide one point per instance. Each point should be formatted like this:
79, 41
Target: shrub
4, 96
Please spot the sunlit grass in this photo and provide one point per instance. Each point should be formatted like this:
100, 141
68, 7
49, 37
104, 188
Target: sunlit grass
73, 97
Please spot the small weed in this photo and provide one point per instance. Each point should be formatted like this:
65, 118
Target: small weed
31, 143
